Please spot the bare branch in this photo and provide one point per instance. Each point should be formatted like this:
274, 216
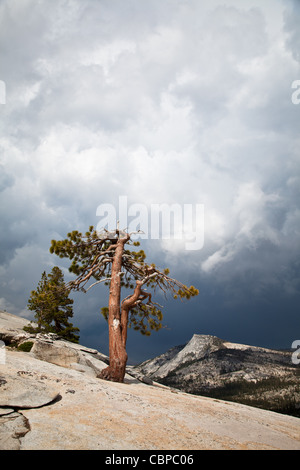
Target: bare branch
98, 282
136, 232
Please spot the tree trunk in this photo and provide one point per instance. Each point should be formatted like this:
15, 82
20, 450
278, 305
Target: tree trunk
127, 304
117, 328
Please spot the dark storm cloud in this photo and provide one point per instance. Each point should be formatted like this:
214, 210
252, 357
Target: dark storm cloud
163, 102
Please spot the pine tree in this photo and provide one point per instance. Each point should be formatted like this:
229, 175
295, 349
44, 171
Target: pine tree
53, 306
103, 257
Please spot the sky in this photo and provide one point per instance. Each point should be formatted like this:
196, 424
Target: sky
183, 102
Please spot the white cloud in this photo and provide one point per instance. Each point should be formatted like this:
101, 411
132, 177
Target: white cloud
221, 256
248, 227
251, 206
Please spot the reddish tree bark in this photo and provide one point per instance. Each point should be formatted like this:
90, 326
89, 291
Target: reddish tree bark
117, 325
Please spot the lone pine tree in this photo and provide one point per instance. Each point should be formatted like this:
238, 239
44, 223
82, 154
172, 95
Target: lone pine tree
53, 306
103, 257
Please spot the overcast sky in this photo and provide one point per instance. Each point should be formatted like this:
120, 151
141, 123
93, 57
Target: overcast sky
161, 101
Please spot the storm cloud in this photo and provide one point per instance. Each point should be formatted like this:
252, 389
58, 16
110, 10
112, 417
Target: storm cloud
178, 101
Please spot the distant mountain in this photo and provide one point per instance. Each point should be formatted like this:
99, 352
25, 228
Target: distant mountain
212, 367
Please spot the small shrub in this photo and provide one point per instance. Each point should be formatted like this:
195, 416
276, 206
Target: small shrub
26, 346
